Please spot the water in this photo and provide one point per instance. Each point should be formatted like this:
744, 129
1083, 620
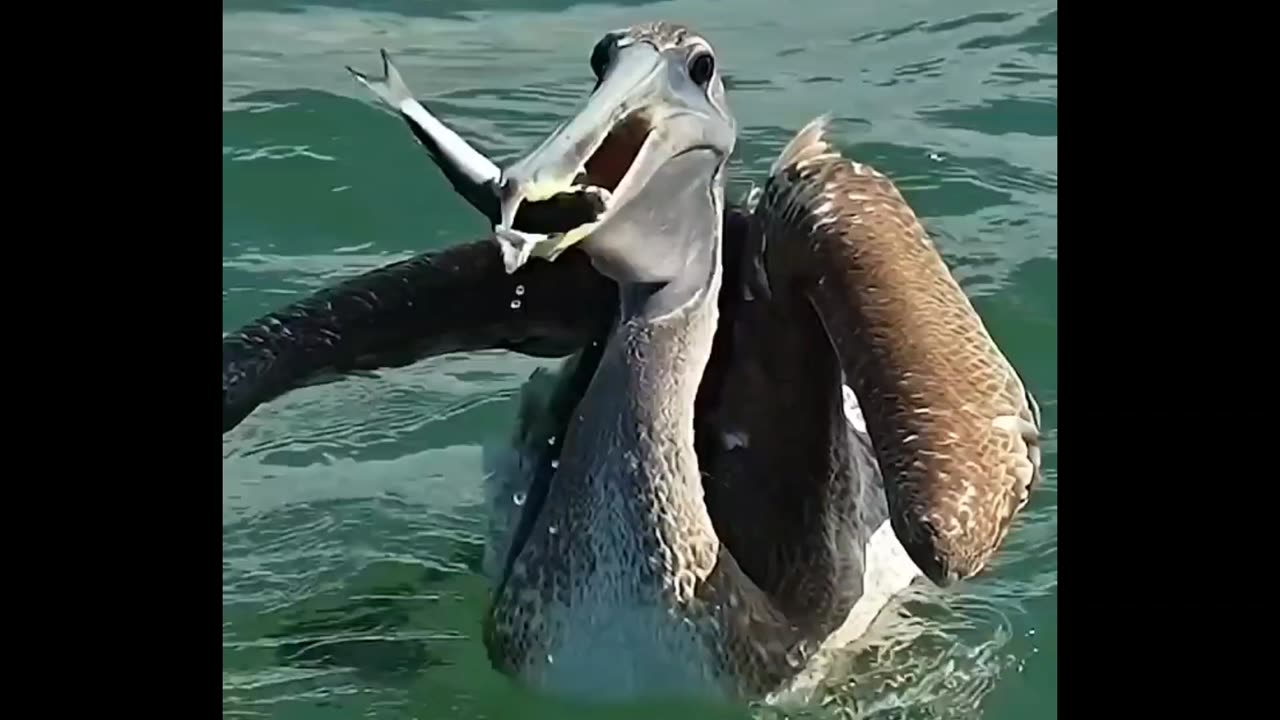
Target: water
351, 520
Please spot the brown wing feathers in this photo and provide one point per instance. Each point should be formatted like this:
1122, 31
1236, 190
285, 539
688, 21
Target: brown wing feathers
955, 431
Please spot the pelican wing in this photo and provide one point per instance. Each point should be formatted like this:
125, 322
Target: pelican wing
954, 429
453, 300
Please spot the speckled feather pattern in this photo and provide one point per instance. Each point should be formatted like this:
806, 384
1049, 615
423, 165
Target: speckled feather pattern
955, 430
662, 34
607, 581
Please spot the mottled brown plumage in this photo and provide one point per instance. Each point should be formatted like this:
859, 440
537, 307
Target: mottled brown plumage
955, 430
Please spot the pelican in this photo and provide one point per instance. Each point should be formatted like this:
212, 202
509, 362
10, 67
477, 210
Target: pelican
773, 417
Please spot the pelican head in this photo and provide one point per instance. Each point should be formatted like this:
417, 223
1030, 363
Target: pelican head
649, 144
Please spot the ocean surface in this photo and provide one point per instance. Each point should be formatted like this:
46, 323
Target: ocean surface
352, 511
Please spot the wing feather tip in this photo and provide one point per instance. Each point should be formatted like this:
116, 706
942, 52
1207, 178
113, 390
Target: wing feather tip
941, 569
944, 560
810, 140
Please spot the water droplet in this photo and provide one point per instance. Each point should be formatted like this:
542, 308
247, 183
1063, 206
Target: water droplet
550, 660
553, 529
515, 304
519, 289
555, 464
518, 498
551, 440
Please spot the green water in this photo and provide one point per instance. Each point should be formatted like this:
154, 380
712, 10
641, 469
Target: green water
351, 512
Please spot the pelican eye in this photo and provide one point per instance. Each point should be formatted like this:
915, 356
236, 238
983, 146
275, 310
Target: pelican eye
701, 67
602, 53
